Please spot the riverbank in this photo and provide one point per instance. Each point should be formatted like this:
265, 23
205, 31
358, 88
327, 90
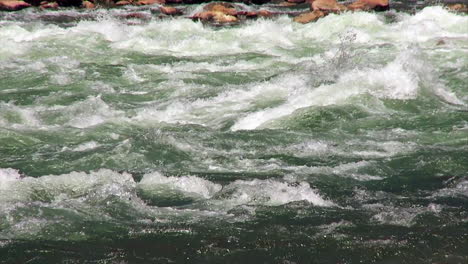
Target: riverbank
224, 13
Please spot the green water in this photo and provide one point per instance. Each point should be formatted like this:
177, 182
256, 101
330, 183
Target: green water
170, 141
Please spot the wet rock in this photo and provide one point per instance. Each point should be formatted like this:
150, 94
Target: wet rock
458, 8
149, 2
287, 4
136, 15
49, 5
327, 6
88, 5
217, 17
264, 13
68, 3
13, 5
309, 17
123, 3
170, 11
218, 12
368, 5
225, 8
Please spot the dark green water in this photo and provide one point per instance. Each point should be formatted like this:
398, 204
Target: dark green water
169, 141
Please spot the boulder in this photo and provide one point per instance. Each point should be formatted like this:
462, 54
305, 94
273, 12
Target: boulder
123, 3
225, 8
309, 17
368, 5
49, 5
170, 11
218, 12
149, 2
67, 3
287, 4
88, 5
214, 16
327, 6
13, 5
264, 13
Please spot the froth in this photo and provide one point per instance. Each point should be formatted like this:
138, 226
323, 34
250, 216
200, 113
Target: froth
158, 185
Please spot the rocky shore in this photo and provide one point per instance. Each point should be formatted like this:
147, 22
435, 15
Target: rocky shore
221, 13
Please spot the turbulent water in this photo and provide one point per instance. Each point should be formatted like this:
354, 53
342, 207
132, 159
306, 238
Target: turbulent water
171, 141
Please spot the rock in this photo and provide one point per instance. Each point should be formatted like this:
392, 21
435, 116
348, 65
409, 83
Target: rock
225, 8
458, 8
123, 3
136, 15
170, 11
309, 17
149, 2
49, 5
368, 5
13, 5
264, 13
219, 13
66, 3
248, 14
215, 16
296, 1
287, 4
88, 5
327, 6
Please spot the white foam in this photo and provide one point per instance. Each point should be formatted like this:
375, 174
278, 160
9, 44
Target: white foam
103, 182
7, 177
272, 193
191, 186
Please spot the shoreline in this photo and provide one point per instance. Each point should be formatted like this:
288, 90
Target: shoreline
212, 12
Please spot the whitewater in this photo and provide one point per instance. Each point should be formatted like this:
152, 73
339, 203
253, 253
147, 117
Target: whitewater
175, 141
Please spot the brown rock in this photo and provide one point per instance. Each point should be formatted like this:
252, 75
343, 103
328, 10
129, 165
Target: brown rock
264, 13
215, 16
69, 2
123, 3
287, 4
13, 5
149, 2
458, 8
219, 13
367, 5
88, 5
327, 6
170, 11
49, 5
225, 8
309, 17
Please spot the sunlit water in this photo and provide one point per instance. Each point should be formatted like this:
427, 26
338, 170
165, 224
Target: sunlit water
160, 141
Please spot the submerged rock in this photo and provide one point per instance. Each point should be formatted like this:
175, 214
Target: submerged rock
368, 5
309, 17
13, 5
